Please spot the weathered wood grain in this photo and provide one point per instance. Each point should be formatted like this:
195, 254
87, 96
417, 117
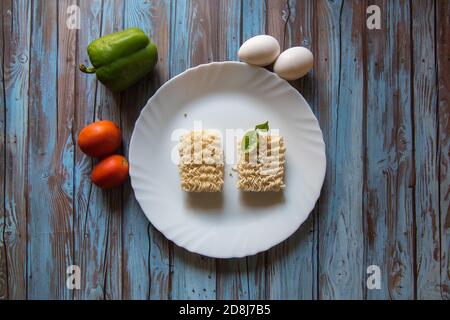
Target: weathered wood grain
90, 222
302, 32
146, 251
340, 103
232, 280
382, 100
229, 30
100, 254
389, 211
108, 203
443, 65
191, 43
16, 17
96, 209
49, 245
63, 159
426, 150
292, 264
254, 14
3, 259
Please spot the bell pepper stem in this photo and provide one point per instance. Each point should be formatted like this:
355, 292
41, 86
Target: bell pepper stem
85, 69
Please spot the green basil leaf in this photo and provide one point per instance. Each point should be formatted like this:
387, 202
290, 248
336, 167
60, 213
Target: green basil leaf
263, 126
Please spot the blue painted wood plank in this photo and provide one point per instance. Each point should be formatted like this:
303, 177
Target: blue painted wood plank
426, 162
107, 204
389, 156
179, 58
302, 32
229, 29
49, 246
443, 65
90, 221
292, 264
16, 64
146, 255
3, 258
340, 101
63, 163
194, 276
232, 280
254, 23
100, 252
254, 13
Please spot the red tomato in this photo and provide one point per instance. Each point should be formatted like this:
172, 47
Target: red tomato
99, 138
110, 172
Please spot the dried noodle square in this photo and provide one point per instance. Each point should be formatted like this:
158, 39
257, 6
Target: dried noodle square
201, 161
262, 169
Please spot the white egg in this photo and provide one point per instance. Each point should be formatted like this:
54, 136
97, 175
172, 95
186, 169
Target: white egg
294, 63
261, 50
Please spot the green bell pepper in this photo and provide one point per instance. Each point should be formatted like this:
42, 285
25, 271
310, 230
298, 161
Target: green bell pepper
120, 59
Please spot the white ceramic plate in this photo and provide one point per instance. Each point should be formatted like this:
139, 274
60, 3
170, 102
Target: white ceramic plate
226, 95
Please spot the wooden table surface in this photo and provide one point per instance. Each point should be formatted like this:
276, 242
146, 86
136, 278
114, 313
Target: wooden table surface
382, 99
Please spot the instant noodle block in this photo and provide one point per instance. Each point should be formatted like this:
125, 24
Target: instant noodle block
262, 169
201, 162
